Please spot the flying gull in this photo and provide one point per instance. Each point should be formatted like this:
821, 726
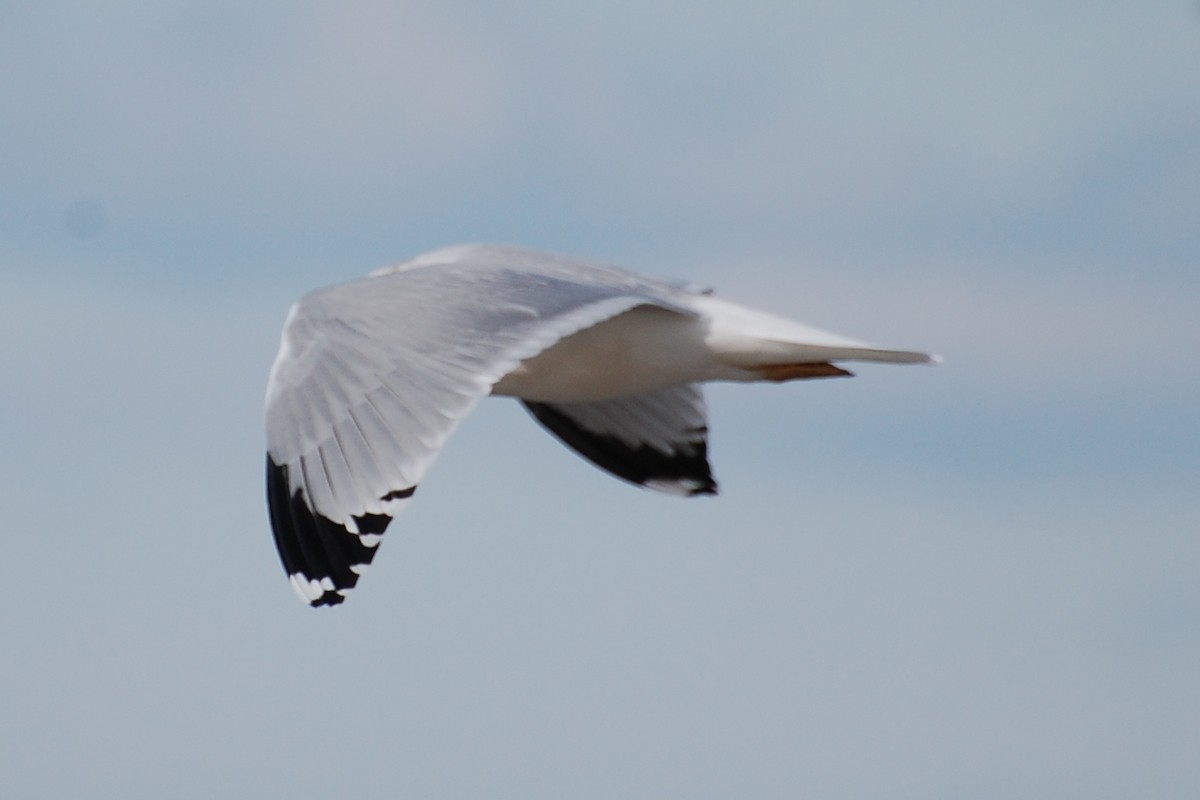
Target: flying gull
373, 375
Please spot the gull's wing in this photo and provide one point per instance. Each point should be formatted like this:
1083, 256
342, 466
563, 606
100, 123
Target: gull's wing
373, 376
656, 439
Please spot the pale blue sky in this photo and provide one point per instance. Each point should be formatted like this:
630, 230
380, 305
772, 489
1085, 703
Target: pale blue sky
980, 580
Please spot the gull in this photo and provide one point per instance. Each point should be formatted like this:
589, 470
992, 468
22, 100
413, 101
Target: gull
373, 375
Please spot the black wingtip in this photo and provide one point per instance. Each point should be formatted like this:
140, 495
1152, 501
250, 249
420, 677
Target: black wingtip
684, 471
328, 600
322, 558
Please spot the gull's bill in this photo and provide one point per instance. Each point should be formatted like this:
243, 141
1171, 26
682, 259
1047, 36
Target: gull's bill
373, 375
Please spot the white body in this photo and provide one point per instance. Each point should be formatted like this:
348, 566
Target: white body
649, 348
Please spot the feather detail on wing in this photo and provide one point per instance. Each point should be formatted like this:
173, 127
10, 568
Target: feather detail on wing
656, 439
373, 376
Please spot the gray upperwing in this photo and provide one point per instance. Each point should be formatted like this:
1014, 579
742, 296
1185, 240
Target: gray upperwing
372, 376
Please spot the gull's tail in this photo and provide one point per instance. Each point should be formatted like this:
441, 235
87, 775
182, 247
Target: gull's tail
780, 349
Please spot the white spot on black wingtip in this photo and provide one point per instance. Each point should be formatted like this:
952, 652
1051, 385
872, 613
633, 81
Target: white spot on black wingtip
316, 592
322, 558
682, 487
